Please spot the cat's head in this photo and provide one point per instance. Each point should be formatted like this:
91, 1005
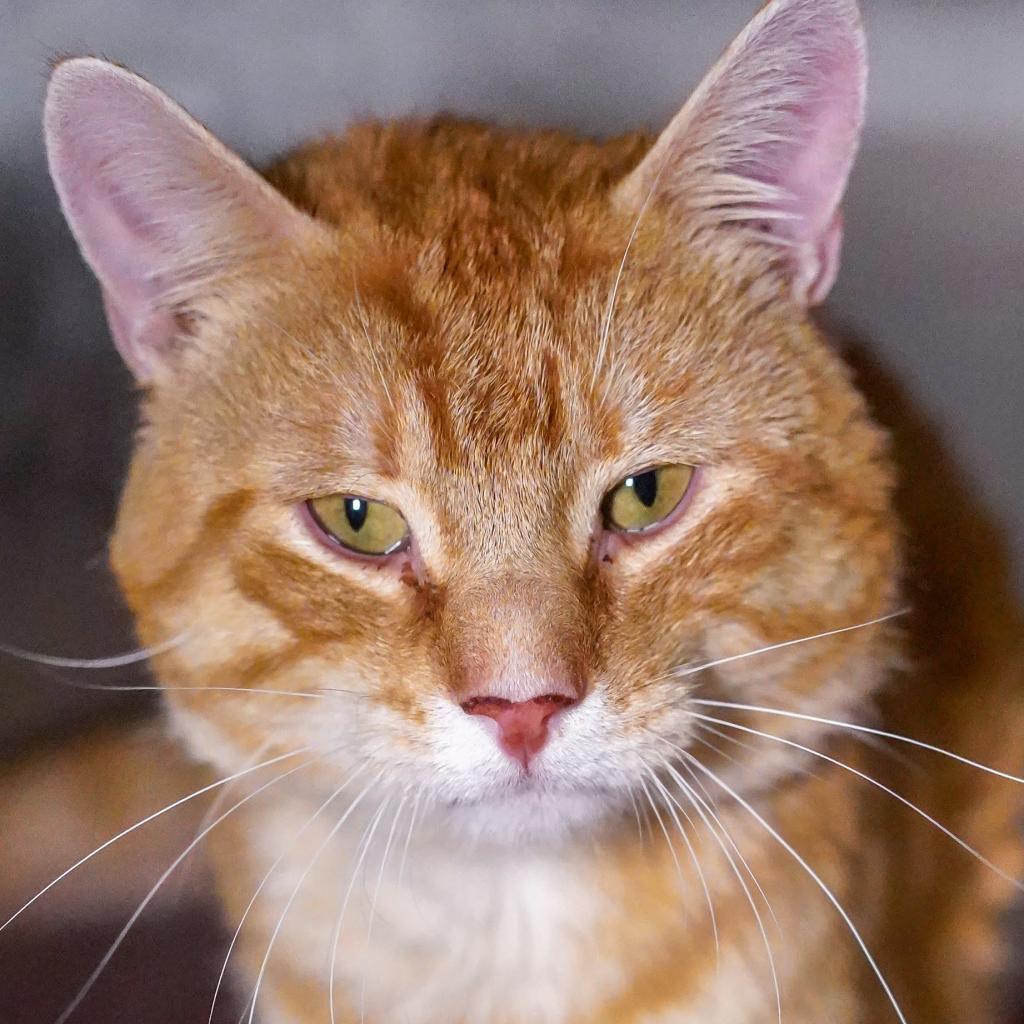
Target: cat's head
486, 440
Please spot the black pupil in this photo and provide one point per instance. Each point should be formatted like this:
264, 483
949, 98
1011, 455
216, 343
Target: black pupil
355, 513
645, 487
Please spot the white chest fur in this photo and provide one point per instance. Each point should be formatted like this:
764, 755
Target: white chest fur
443, 934
439, 935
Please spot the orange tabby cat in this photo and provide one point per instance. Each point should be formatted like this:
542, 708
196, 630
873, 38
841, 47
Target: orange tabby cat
545, 546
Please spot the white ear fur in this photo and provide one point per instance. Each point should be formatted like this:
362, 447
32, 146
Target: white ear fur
767, 141
161, 210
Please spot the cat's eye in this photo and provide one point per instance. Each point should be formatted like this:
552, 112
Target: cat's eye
359, 524
645, 499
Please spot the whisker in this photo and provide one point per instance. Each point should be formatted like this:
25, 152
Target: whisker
221, 797
298, 886
802, 770
137, 913
812, 874
636, 812
722, 736
693, 855
408, 835
79, 684
865, 729
613, 295
704, 727
245, 1011
1015, 882
360, 310
145, 821
413, 821
698, 782
661, 825
266, 878
710, 808
706, 665
114, 661
714, 748
364, 846
373, 903
739, 878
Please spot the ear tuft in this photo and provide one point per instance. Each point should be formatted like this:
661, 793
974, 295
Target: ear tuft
161, 210
767, 141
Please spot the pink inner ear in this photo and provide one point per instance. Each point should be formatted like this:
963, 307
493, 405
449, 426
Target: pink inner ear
100, 139
823, 271
124, 246
816, 118
801, 78
141, 335
769, 138
158, 206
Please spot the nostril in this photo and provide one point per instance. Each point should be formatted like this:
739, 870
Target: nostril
522, 725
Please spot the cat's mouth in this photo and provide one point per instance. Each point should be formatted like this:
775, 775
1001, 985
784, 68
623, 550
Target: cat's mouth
534, 812
538, 787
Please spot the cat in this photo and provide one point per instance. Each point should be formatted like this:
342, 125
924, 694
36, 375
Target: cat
521, 564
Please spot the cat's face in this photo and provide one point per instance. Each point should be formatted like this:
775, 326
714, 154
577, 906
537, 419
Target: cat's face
471, 402
573, 477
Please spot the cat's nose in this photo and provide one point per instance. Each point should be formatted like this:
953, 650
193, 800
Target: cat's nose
522, 725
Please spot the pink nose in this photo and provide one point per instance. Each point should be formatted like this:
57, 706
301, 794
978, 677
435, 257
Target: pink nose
522, 725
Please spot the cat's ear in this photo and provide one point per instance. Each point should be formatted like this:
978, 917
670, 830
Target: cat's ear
162, 211
766, 143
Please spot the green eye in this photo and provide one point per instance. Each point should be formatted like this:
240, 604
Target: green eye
365, 526
645, 499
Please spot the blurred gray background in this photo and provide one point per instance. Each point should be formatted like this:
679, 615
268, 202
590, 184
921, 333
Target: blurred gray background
933, 275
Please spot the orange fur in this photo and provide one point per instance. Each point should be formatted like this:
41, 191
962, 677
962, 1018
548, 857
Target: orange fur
429, 337
805, 541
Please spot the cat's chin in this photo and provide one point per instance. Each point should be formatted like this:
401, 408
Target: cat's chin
533, 815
